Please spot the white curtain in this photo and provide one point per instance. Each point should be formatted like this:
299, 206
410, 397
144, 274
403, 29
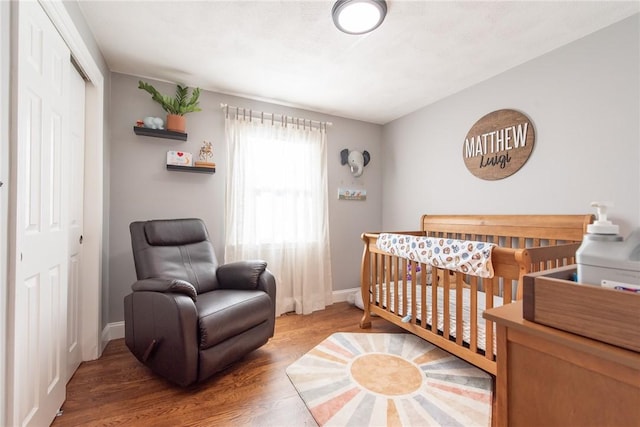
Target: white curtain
277, 207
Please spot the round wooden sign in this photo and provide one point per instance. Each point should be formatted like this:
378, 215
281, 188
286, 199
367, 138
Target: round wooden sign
498, 144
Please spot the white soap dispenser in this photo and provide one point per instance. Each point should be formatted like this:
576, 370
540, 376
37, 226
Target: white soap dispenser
605, 259
602, 229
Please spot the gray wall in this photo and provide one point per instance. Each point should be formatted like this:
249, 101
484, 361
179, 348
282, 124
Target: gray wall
141, 187
583, 100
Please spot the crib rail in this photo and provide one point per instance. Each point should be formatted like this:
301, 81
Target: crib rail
509, 231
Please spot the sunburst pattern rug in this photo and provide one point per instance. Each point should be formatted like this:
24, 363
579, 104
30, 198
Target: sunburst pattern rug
360, 379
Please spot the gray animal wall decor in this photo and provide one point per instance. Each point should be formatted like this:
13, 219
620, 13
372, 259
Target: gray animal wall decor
357, 160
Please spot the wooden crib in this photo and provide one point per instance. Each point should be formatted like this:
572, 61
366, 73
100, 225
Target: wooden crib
403, 292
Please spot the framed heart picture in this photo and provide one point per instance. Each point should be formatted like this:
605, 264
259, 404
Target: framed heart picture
179, 158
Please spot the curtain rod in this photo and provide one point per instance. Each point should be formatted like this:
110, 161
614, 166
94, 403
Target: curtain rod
245, 112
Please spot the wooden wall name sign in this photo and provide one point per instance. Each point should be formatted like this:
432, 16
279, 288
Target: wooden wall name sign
498, 144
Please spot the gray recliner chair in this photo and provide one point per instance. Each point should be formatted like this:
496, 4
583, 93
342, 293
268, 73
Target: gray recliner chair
188, 317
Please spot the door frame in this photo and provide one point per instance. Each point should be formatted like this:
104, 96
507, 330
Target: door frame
5, 65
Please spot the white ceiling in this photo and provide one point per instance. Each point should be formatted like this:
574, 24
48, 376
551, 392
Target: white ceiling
290, 53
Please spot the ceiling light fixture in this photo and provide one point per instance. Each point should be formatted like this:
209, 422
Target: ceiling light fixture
358, 16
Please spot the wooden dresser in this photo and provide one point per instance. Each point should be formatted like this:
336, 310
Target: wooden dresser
547, 377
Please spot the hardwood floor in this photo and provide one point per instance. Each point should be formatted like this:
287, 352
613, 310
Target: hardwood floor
255, 391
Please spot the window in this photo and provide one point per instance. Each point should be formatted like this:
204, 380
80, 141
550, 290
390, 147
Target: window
276, 207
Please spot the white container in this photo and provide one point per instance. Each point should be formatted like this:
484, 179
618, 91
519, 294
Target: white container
605, 259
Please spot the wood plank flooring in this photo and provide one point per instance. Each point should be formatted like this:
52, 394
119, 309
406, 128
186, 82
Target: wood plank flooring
255, 391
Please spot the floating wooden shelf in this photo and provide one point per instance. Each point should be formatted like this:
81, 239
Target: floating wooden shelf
160, 133
195, 169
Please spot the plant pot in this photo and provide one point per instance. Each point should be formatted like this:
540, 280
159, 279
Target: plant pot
176, 123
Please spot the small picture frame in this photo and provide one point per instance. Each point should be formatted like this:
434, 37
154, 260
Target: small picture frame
352, 194
179, 158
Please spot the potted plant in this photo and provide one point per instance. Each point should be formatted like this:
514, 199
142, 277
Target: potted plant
177, 106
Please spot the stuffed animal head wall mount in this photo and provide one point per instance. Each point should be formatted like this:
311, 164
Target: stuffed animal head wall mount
357, 160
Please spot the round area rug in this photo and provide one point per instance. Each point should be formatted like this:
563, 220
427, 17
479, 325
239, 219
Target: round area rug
365, 379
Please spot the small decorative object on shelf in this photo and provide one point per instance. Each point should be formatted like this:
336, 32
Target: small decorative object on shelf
179, 158
206, 153
153, 123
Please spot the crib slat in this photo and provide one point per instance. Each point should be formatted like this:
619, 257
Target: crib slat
371, 277
401, 277
473, 339
435, 316
386, 275
445, 303
488, 329
387, 282
393, 283
375, 282
423, 295
414, 295
496, 289
541, 266
394, 279
379, 280
459, 304
507, 292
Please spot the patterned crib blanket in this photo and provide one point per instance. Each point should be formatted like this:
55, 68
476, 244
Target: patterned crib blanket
465, 256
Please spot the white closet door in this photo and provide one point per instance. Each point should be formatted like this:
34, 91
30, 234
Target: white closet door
76, 208
40, 265
5, 12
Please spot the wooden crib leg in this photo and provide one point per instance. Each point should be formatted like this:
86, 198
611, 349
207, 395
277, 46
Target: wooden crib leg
365, 277
365, 322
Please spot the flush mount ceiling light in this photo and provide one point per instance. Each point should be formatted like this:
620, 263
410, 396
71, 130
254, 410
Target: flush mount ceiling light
358, 16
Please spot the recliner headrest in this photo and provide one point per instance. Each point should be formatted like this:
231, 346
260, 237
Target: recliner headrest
175, 232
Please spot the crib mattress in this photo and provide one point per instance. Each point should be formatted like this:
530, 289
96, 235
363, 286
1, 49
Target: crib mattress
381, 292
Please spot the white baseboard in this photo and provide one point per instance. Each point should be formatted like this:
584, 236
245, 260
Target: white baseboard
344, 294
115, 330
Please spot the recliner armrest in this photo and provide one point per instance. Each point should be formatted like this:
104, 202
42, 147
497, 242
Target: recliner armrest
267, 283
241, 274
165, 285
